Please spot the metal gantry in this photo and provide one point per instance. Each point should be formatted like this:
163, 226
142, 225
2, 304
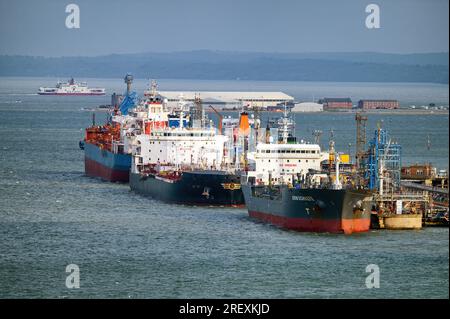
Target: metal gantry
383, 163
361, 122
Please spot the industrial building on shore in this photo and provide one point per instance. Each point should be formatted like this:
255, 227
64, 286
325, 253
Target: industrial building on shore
272, 101
229, 100
418, 171
378, 104
336, 103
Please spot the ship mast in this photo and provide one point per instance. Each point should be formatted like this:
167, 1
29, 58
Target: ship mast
197, 113
317, 134
153, 88
128, 80
267, 141
285, 129
257, 122
337, 183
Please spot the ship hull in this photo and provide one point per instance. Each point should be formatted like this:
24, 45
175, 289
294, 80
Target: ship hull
310, 210
209, 188
105, 164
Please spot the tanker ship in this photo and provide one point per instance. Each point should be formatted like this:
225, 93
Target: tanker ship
71, 88
289, 188
107, 148
186, 164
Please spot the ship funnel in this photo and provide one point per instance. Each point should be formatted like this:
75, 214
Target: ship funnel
244, 126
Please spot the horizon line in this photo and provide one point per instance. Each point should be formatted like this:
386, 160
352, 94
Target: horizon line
223, 51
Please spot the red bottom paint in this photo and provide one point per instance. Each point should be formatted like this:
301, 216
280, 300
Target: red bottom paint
346, 226
95, 169
356, 225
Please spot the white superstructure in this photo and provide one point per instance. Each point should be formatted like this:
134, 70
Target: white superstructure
149, 114
286, 160
185, 148
280, 162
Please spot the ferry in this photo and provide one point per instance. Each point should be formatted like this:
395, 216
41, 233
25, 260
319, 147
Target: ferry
71, 88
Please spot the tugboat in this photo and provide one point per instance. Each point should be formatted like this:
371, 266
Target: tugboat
71, 88
288, 188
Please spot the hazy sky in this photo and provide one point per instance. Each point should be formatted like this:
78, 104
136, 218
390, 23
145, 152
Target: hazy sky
116, 26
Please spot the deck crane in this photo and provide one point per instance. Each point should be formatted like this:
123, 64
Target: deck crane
220, 116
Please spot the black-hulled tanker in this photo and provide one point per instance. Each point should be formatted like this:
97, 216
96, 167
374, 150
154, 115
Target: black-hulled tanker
186, 165
198, 187
289, 188
310, 209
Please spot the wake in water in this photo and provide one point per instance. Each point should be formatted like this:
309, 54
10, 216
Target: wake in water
18, 94
12, 102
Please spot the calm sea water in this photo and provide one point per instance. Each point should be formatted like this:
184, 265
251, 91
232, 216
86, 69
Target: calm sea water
128, 246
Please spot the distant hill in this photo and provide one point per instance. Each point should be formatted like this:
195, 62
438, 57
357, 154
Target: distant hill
204, 64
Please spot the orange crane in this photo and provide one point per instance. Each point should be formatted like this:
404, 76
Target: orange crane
220, 116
